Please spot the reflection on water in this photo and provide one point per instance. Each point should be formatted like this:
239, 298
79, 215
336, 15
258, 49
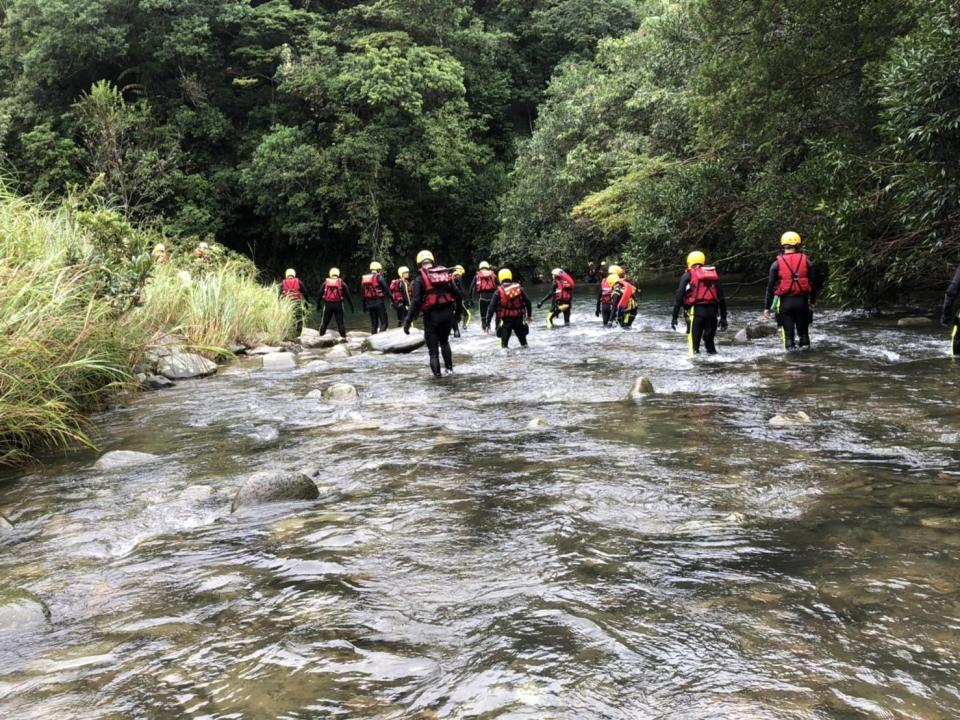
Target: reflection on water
671, 558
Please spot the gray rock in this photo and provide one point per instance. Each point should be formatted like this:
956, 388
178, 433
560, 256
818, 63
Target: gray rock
197, 493
338, 353
788, 420
183, 366
757, 331
361, 334
641, 387
310, 338
21, 611
141, 379
5, 523
318, 365
279, 361
264, 350
395, 341
274, 486
315, 395
237, 348
158, 382
741, 337
914, 322
123, 458
536, 423
341, 392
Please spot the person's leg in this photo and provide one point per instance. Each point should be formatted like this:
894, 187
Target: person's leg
374, 320
789, 329
710, 322
695, 329
521, 331
445, 325
803, 322
566, 314
505, 331
433, 343
325, 318
338, 314
384, 319
484, 306
606, 314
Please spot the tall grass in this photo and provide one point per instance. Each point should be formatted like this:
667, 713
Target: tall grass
64, 340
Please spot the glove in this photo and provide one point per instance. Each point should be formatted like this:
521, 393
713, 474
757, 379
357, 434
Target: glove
723, 324
539, 305
673, 324
406, 328
598, 312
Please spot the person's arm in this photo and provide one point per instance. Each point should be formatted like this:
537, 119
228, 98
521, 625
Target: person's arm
526, 303
599, 296
385, 287
814, 276
303, 291
492, 308
722, 302
473, 290
550, 294
772, 281
950, 298
678, 298
346, 295
415, 302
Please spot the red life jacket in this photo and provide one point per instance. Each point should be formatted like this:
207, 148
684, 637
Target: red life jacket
396, 292
702, 289
626, 295
333, 290
563, 288
606, 291
486, 281
291, 289
510, 301
370, 286
794, 276
438, 288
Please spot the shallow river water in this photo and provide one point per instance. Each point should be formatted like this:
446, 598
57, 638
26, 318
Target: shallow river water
674, 557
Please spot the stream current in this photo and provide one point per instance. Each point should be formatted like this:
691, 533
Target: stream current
674, 557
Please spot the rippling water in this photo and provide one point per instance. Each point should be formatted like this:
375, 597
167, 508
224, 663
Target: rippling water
670, 558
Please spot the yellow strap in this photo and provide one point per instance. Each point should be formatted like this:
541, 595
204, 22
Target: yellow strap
953, 340
690, 331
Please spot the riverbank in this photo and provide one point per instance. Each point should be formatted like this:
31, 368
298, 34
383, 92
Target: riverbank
82, 301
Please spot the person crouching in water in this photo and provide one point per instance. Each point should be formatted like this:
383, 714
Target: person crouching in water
562, 293
435, 294
623, 297
509, 305
335, 291
400, 294
374, 291
701, 297
792, 284
293, 289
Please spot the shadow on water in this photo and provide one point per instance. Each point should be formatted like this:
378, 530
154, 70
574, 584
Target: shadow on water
674, 557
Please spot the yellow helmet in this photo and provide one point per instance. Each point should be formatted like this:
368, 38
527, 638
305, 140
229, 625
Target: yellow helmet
458, 270
423, 256
615, 270
613, 279
375, 266
696, 258
484, 265
403, 270
790, 238
290, 273
504, 275
334, 272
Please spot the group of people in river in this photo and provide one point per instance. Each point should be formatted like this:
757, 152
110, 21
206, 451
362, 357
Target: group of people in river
438, 294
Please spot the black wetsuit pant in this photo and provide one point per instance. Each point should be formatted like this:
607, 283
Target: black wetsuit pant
626, 317
333, 310
401, 313
485, 299
378, 316
607, 314
702, 321
437, 326
794, 316
516, 326
556, 312
300, 312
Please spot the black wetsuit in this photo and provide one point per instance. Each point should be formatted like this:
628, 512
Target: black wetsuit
404, 306
512, 325
555, 309
335, 310
485, 298
302, 309
605, 311
438, 323
702, 319
947, 316
794, 312
377, 307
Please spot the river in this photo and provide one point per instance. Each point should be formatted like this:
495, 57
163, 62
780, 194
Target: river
674, 557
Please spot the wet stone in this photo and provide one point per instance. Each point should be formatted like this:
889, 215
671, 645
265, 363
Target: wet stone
395, 341
183, 366
123, 458
274, 486
757, 331
914, 321
279, 361
310, 338
341, 392
537, 423
641, 388
22, 611
339, 352
264, 350
788, 420
5, 524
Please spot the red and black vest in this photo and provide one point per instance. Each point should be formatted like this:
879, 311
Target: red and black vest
292, 289
794, 272
510, 301
563, 288
627, 292
606, 292
397, 293
333, 290
702, 289
485, 282
438, 288
370, 286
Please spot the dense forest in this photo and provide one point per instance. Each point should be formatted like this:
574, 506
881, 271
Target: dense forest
535, 132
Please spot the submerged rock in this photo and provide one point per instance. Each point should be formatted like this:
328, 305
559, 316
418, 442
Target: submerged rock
536, 424
914, 321
395, 341
264, 350
741, 337
279, 361
339, 352
22, 611
641, 386
789, 420
123, 458
318, 365
157, 382
761, 330
341, 392
274, 486
183, 366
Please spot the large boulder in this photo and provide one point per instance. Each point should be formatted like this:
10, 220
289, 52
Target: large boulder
761, 330
641, 387
182, 366
914, 322
310, 339
123, 458
279, 361
341, 392
274, 486
395, 341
